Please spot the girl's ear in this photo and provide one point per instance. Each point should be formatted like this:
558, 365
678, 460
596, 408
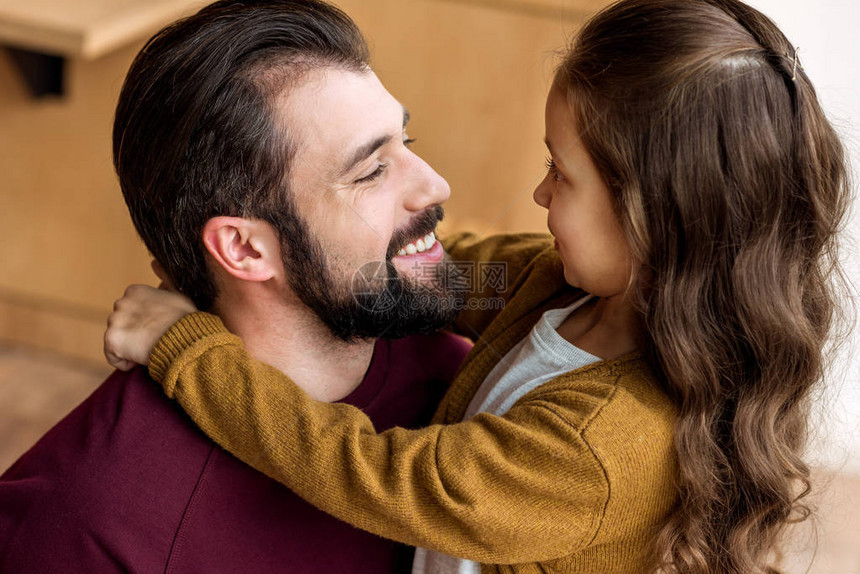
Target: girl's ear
246, 249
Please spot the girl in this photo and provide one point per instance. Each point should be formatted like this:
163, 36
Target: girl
641, 402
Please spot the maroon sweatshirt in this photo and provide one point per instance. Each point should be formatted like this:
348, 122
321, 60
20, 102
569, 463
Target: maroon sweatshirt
127, 483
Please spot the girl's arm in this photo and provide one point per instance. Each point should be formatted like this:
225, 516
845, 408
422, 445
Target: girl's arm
519, 488
496, 266
144, 314
139, 318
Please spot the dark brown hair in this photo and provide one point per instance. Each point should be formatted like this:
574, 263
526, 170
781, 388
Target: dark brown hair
731, 186
195, 134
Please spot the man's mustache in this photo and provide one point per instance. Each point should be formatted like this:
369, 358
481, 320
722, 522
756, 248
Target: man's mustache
421, 225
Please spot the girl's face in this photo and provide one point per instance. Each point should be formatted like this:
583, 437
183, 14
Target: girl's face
580, 209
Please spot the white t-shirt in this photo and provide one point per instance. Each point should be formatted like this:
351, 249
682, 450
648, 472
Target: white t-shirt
538, 358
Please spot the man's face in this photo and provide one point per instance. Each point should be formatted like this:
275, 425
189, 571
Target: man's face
361, 253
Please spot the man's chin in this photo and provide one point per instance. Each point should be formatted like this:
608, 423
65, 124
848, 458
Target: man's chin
404, 308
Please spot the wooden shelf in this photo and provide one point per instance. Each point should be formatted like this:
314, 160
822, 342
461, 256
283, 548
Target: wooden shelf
85, 29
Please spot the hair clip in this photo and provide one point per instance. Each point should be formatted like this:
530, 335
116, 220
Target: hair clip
794, 66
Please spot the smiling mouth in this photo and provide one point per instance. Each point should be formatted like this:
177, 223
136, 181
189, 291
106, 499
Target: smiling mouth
418, 237
419, 245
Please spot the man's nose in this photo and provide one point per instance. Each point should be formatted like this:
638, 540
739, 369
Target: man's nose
426, 188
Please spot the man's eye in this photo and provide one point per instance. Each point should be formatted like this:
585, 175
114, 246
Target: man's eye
373, 176
408, 142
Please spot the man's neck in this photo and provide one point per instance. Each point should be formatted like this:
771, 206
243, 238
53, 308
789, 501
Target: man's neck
293, 339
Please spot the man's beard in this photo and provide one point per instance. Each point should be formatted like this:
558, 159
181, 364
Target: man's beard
377, 301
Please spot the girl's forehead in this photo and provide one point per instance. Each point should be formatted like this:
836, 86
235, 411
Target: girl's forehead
561, 123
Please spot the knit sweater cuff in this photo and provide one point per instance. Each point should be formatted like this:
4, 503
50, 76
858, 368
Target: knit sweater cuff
182, 335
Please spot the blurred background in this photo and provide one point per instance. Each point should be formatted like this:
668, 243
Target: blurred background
474, 75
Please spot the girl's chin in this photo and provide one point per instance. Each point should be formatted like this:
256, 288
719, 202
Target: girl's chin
571, 280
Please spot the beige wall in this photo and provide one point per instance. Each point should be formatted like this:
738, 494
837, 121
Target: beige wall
67, 244
474, 74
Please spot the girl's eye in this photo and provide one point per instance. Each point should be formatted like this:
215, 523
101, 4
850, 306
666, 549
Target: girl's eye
552, 169
373, 176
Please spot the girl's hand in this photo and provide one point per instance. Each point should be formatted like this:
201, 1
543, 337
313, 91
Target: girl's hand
138, 321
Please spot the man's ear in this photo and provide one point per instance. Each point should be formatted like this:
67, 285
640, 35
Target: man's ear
246, 249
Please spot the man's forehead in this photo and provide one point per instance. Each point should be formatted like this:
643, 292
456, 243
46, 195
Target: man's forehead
332, 110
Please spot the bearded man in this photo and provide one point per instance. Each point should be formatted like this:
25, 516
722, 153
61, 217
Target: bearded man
269, 173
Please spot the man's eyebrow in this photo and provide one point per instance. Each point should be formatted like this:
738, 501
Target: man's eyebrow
365, 151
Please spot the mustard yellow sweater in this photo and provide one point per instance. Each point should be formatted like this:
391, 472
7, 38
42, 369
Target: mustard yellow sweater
576, 477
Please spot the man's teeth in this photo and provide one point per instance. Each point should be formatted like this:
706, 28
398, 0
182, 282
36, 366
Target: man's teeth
419, 246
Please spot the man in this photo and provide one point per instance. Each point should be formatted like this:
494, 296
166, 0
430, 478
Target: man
268, 171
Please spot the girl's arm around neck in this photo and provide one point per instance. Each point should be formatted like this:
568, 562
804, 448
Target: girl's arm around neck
520, 488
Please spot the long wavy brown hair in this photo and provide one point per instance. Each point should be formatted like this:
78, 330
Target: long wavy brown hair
731, 186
